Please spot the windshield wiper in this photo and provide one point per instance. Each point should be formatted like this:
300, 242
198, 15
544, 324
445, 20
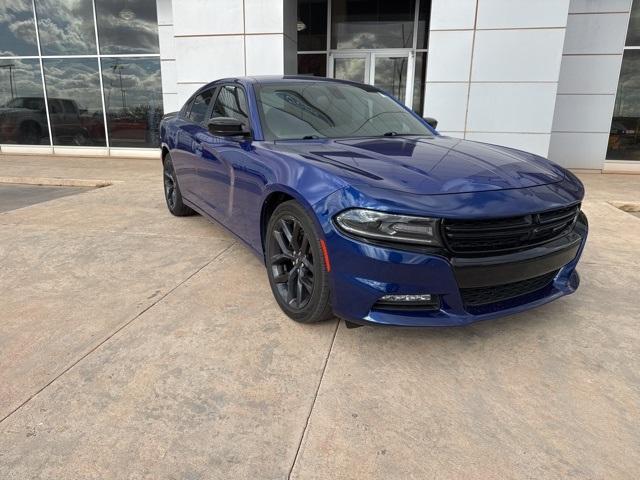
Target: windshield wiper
310, 137
390, 134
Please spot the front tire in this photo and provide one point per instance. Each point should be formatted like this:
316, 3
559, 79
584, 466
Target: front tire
172, 193
296, 266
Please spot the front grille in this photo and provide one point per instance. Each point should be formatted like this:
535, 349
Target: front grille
473, 297
507, 234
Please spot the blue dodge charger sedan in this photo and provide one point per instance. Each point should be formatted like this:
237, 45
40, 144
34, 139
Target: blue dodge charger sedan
360, 209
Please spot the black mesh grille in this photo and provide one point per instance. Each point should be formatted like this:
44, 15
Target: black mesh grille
484, 295
508, 234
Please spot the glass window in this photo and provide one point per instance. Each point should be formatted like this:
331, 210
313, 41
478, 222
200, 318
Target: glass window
66, 27
310, 109
633, 32
312, 25
350, 68
127, 26
420, 77
17, 28
424, 15
23, 118
372, 23
624, 137
391, 75
199, 107
231, 102
75, 105
312, 64
133, 101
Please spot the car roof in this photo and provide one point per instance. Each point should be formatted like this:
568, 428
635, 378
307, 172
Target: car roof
271, 79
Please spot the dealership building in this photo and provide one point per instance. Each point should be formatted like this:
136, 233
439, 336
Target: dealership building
560, 78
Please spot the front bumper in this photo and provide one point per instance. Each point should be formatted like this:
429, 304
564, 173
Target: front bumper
363, 272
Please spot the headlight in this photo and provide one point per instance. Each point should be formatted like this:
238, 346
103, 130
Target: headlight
389, 227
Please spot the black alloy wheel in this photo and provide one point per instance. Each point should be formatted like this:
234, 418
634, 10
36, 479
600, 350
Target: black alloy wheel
172, 191
296, 268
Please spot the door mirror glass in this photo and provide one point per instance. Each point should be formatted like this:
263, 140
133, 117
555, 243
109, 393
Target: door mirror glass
432, 122
226, 127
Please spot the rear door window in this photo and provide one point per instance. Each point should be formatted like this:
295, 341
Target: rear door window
200, 106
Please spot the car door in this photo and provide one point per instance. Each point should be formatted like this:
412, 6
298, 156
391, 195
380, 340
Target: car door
186, 153
224, 159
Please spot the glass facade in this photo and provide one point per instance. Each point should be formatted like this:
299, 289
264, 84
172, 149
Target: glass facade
370, 41
624, 136
80, 73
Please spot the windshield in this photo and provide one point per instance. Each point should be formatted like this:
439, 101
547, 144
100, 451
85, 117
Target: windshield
305, 110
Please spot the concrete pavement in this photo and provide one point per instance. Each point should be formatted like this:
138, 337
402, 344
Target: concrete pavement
138, 345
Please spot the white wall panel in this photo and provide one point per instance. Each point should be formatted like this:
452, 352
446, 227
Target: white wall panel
579, 150
166, 42
594, 6
589, 74
517, 55
203, 59
449, 56
265, 54
165, 13
263, 16
583, 113
169, 76
447, 103
170, 102
596, 34
452, 15
537, 143
522, 14
206, 17
515, 107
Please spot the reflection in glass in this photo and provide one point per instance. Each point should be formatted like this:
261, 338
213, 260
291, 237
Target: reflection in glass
423, 24
349, 69
391, 75
420, 77
133, 101
66, 27
231, 102
633, 33
127, 26
312, 64
23, 118
372, 23
75, 106
312, 25
320, 109
17, 28
624, 137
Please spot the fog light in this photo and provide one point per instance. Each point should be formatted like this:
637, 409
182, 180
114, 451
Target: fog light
426, 298
422, 301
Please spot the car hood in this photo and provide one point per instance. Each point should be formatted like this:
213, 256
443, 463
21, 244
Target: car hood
427, 165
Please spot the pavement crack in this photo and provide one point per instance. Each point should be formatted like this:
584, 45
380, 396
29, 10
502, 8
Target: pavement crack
119, 329
313, 403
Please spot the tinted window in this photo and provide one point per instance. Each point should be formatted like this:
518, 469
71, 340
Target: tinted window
126, 27
624, 138
633, 32
77, 82
312, 64
323, 109
420, 77
312, 25
66, 27
17, 28
133, 100
423, 24
199, 106
22, 112
372, 23
231, 102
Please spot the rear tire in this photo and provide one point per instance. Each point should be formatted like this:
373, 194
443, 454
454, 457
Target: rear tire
296, 266
172, 193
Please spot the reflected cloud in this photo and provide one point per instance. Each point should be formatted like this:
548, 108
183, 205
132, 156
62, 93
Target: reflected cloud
66, 27
127, 27
17, 28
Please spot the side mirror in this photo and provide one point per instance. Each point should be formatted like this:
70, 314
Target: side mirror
227, 127
432, 122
